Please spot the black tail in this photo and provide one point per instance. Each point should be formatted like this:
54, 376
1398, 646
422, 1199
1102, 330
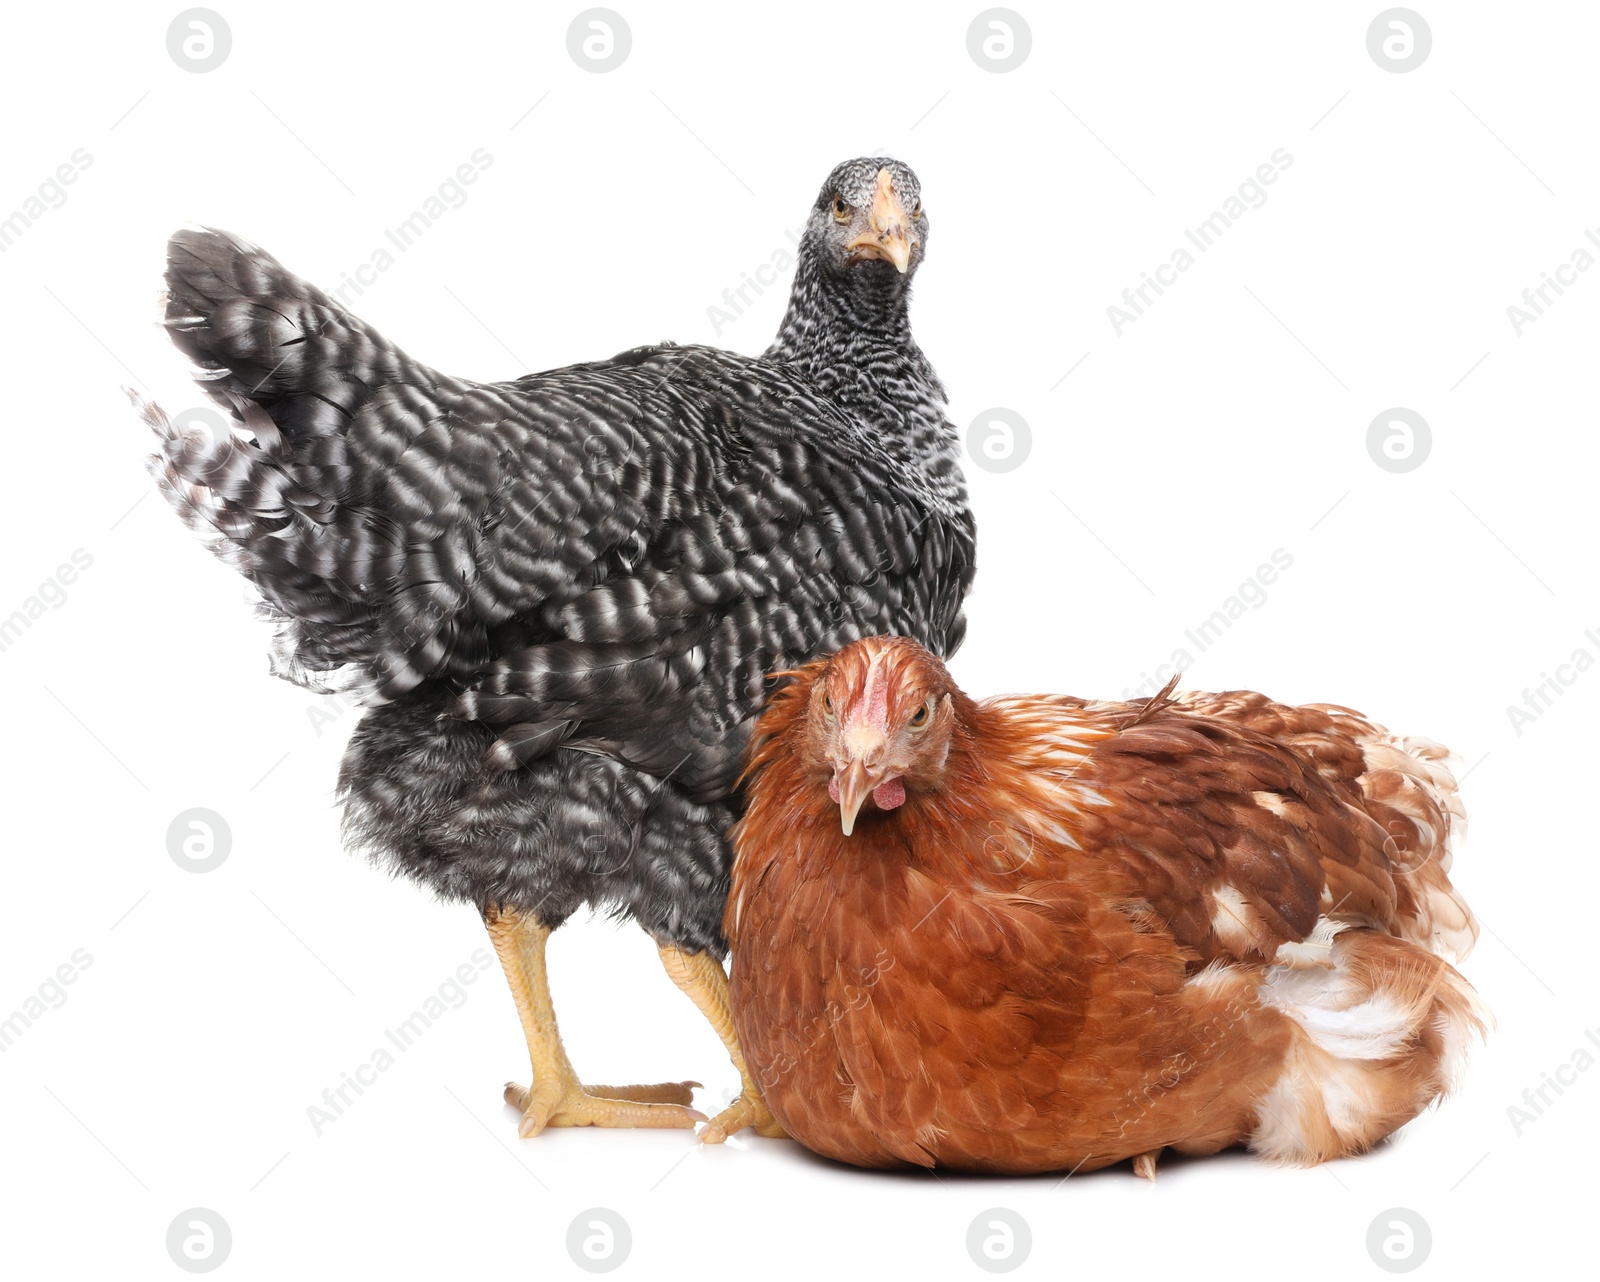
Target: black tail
293, 505
258, 331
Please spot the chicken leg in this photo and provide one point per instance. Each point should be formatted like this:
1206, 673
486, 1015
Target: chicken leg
702, 977
556, 1097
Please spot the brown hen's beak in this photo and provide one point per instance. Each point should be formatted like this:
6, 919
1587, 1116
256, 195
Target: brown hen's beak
854, 785
891, 237
864, 747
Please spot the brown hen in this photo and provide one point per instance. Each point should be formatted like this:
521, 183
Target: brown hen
1039, 933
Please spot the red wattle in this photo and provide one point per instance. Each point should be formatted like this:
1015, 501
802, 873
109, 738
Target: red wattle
889, 794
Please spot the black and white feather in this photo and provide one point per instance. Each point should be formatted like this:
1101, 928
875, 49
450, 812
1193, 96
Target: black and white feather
562, 595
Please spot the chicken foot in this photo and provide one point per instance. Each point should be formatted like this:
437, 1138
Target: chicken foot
701, 976
557, 1097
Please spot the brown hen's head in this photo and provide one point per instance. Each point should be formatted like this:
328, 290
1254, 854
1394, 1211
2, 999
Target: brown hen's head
881, 719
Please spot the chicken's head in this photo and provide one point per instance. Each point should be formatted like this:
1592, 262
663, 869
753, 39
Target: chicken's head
882, 716
869, 221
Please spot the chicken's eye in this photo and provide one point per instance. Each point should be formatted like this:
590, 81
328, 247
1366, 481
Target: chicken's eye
841, 211
920, 717
916, 211
827, 706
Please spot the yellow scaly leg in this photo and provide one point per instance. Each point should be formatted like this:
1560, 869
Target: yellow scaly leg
702, 977
556, 1097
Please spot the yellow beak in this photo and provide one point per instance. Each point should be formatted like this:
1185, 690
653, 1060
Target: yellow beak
890, 237
854, 785
864, 748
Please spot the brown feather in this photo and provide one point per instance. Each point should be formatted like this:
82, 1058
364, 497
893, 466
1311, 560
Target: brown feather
1094, 930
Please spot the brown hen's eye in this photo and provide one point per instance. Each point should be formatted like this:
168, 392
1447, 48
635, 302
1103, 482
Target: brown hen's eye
920, 717
827, 704
841, 211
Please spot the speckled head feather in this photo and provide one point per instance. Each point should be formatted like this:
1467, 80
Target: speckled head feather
847, 331
858, 194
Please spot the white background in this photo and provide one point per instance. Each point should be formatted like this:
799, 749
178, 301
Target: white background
1227, 422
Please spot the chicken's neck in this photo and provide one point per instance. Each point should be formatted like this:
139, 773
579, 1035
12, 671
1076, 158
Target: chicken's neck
831, 315
849, 337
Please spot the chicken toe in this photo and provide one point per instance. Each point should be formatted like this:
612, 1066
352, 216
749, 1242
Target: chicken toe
572, 1104
701, 976
657, 1093
557, 1097
749, 1109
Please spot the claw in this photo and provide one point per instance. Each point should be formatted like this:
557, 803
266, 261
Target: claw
748, 1110
661, 1106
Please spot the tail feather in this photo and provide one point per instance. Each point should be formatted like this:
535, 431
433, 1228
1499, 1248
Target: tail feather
288, 493
257, 331
237, 496
1403, 783
1408, 788
1377, 1038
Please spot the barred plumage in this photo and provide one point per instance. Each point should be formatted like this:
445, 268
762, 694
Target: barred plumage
562, 594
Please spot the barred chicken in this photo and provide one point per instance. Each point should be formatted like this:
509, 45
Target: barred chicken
560, 595
1038, 933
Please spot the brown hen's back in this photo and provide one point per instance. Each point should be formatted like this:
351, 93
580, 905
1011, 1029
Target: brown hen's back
1402, 782
1103, 929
